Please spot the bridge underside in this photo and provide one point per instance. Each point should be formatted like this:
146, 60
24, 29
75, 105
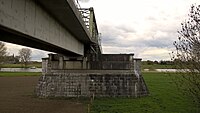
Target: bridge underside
15, 37
35, 24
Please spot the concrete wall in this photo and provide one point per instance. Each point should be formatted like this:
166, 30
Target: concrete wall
106, 62
113, 62
73, 80
56, 61
73, 65
26, 17
89, 84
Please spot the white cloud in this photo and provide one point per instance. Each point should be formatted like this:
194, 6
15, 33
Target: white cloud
154, 53
84, 0
145, 27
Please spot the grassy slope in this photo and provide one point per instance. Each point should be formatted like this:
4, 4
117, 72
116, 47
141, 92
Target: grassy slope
164, 98
11, 74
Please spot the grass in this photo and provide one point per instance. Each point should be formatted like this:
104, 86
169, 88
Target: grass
12, 74
164, 98
38, 65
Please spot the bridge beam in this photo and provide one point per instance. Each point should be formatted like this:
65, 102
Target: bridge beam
25, 22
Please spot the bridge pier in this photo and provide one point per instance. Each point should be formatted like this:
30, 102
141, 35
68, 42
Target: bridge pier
78, 76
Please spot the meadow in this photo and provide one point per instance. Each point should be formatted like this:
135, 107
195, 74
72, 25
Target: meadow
35, 64
16, 74
164, 98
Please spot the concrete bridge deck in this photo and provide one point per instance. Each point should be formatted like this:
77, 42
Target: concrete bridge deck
52, 25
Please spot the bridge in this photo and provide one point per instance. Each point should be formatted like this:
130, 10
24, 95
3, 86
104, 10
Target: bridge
59, 26
79, 68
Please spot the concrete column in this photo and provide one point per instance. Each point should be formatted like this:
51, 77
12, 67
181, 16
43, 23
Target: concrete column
61, 62
44, 65
84, 63
50, 57
49, 65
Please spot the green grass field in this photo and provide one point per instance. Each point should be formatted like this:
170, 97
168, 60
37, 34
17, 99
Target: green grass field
38, 65
164, 98
11, 74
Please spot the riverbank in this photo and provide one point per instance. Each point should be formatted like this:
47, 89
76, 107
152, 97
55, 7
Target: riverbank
20, 69
37, 68
35, 64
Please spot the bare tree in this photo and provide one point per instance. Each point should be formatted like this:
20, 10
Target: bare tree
25, 56
2, 52
187, 55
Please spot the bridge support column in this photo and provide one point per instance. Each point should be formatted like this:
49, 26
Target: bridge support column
61, 62
84, 63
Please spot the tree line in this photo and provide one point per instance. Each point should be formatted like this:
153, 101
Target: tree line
162, 62
24, 56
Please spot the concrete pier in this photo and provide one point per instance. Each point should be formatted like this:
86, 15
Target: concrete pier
90, 84
111, 77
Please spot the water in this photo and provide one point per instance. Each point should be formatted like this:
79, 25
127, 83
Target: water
166, 70
163, 70
40, 70
20, 70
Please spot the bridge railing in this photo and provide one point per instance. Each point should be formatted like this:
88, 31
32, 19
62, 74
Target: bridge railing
88, 17
77, 4
90, 22
85, 13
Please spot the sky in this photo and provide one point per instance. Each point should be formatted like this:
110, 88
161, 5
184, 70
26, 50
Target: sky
146, 28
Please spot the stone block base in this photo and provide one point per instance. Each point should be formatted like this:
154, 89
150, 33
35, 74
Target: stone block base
90, 84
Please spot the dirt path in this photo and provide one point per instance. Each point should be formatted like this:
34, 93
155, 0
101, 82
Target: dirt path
16, 96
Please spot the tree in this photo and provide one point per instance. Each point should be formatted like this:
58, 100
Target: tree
187, 55
2, 52
25, 55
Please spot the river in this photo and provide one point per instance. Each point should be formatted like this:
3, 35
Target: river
162, 70
40, 70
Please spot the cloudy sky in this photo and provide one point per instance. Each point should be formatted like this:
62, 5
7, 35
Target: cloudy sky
144, 27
